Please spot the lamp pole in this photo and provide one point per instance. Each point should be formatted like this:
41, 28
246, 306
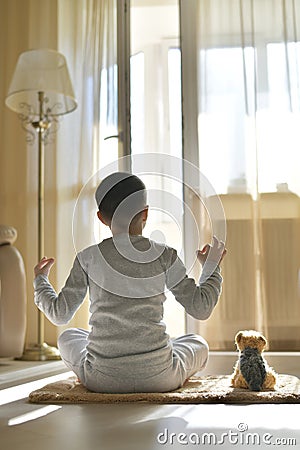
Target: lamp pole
41, 126
41, 351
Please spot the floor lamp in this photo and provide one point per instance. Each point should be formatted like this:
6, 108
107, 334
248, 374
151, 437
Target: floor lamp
40, 91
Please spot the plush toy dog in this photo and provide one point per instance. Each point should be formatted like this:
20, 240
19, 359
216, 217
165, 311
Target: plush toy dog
251, 370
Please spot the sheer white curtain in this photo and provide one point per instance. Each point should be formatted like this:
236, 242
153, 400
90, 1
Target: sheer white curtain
248, 72
87, 37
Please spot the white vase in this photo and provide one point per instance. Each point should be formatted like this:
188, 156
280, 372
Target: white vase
12, 295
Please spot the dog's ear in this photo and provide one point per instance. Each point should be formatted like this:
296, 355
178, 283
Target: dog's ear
263, 340
238, 337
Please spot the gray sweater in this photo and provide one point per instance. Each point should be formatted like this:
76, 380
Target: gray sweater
126, 278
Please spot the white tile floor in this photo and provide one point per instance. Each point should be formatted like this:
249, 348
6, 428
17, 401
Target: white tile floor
140, 426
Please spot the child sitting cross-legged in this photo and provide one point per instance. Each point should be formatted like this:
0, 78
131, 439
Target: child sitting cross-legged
127, 348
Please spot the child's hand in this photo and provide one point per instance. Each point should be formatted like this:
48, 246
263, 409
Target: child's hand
215, 252
44, 266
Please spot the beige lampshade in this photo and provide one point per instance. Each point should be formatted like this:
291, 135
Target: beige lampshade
41, 70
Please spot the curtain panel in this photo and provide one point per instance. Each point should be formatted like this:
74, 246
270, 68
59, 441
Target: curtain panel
248, 72
87, 36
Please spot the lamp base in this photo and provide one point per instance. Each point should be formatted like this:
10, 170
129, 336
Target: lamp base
40, 353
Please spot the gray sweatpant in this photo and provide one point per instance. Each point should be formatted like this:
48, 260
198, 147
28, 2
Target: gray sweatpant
190, 355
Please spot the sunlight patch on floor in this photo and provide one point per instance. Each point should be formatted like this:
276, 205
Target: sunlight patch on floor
33, 415
21, 391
